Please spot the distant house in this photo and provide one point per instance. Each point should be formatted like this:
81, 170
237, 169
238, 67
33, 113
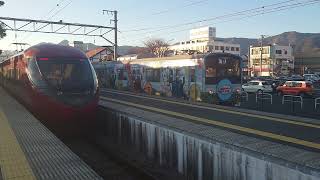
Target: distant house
271, 60
100, 54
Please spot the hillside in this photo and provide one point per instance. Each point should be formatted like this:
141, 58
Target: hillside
304, 43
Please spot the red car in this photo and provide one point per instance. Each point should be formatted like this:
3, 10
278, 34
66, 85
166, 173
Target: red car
297, 88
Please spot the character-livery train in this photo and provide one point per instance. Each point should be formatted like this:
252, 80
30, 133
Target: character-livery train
215, 75
57, 83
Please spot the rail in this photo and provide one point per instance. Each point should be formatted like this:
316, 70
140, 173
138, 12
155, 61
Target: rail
316, 103
293, 99
264, 96
245, 95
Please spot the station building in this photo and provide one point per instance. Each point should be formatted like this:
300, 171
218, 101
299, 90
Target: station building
203, 40
271, 60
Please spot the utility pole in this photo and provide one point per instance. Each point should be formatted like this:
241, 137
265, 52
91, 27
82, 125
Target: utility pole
261, 49
115, 20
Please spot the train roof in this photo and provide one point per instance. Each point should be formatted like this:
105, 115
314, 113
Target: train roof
54, 50
180, 57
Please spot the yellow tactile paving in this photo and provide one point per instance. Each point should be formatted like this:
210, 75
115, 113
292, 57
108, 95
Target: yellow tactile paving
13, 163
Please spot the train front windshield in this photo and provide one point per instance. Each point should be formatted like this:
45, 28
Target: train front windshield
218, 68
67, 75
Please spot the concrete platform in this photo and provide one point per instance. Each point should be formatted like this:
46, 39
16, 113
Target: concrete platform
28, 150
199, 148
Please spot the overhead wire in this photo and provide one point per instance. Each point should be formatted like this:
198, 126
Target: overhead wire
52, 10
212, 18
191, 3
248, 15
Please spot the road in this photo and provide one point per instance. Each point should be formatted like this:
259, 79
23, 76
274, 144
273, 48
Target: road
302, 134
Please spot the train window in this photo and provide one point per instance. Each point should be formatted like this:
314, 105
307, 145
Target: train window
153, 75
34, 73
211, 71
218, 68
67, 74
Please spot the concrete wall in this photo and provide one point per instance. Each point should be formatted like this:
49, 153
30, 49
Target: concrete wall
194, 157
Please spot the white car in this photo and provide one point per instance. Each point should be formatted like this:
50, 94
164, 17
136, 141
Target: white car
257, 87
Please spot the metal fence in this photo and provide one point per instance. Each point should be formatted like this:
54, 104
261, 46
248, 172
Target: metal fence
264, 96
292, 99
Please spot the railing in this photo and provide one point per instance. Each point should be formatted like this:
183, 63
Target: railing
316, 103
293, 99
245, 95
264, 96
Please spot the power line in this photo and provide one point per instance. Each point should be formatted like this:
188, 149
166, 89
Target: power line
210, 19
184, 6
56, 13
281, 8
192, 3
52, 10
250, 14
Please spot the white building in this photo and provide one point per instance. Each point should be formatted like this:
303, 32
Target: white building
203, 34
202, 40
274, 60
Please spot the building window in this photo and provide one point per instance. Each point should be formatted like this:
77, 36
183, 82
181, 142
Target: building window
216, 48
278, 52
182, 43
222, 48
237, 49
228, 48
285, 52
265, 51
232, 48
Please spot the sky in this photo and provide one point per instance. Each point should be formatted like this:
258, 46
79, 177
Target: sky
149, 17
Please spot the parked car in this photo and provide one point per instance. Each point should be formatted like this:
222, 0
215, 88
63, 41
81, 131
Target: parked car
297, 88
312, 77
257, 87
296, 77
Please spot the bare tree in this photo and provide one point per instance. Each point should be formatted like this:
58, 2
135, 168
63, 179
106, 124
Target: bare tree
158, 47
1, 3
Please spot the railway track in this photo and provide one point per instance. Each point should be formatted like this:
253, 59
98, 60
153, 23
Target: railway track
106, 164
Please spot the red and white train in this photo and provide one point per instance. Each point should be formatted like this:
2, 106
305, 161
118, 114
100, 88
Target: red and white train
57, 83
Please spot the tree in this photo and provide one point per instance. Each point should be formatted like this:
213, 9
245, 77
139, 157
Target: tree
158, 47
2, 30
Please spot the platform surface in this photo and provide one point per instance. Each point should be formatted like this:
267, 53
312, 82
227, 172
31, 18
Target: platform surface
28, 150
293, 142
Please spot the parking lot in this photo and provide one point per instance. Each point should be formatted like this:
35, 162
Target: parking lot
290, 105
